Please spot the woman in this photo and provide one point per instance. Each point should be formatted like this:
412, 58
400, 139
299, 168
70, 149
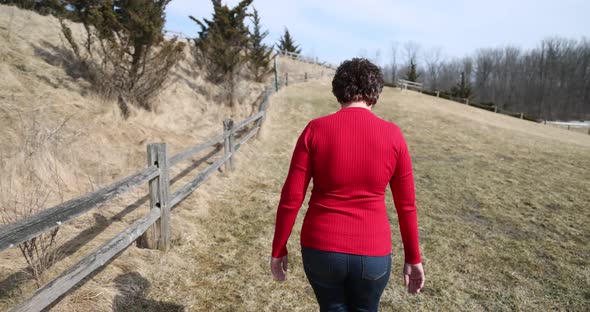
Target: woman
346, 241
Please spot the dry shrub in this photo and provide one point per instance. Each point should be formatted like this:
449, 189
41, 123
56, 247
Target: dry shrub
30, 181
124, 54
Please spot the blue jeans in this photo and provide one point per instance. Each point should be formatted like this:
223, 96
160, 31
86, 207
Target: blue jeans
345, 282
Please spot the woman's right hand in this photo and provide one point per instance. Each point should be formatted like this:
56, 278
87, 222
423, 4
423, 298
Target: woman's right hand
278, 267
414, 277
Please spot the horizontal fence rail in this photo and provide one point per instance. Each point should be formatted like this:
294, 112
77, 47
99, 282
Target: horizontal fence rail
23, 230
153, 229
306, 59
53, 290
186, 190
189, 152
404, 84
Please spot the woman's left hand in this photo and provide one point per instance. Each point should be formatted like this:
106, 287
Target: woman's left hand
278, 267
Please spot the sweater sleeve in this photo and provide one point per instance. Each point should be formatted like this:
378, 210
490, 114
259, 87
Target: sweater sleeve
293, 192
402, 188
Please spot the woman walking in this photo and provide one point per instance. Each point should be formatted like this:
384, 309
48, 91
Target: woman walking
346, 240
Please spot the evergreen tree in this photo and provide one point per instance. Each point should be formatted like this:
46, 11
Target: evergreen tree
258, 53
412, 72
462, 89
134, 59
222, 40
287, 44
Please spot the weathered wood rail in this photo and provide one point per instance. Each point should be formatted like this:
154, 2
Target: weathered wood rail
406, 84
305, 59
150, 231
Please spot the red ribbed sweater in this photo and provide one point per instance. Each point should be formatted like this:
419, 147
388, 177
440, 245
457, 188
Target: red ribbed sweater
352, 155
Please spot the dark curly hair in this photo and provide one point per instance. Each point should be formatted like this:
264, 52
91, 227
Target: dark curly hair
357, 80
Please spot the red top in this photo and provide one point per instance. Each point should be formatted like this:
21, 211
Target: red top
352, 155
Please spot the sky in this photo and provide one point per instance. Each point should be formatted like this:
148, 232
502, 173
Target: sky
336, 30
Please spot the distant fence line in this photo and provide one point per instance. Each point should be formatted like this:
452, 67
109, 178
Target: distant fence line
405, 85
306, 59
570, 125
152, 231
171, 33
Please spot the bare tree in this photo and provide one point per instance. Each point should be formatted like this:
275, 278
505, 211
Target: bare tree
411, 68
433, 60
394, 67
483, 71
550, 81
377, 58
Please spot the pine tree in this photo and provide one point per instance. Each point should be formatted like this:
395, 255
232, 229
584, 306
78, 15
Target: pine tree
222, 40
287, 44
258, 53
134, 59
412, 72
462, 89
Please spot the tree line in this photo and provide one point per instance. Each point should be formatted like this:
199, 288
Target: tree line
550, 81
125, 55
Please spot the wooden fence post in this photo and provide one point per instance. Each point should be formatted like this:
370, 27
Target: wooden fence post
467, 101
158, 235
228, 143
286, 79
521, 115
495, 108
305, 77
262, 108
437, 93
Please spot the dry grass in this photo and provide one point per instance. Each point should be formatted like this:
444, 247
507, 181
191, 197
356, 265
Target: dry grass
95, 147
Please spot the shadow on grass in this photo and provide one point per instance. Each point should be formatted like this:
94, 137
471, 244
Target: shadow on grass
133, 289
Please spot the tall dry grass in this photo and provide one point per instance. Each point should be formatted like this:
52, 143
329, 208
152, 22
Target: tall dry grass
29, 182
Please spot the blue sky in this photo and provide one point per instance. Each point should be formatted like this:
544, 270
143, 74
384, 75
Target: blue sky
335, 30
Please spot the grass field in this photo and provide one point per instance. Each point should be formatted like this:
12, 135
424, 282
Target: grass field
503, 214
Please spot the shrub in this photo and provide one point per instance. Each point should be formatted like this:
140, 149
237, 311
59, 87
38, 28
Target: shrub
24, 191
124, 54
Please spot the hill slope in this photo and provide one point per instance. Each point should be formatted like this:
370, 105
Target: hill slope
502, 212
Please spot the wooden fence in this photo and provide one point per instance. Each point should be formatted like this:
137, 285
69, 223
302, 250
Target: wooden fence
580, 126
306, 59
150, 231
406, 84
485, 106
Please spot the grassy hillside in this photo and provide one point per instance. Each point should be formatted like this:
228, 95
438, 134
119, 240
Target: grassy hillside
502, 203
